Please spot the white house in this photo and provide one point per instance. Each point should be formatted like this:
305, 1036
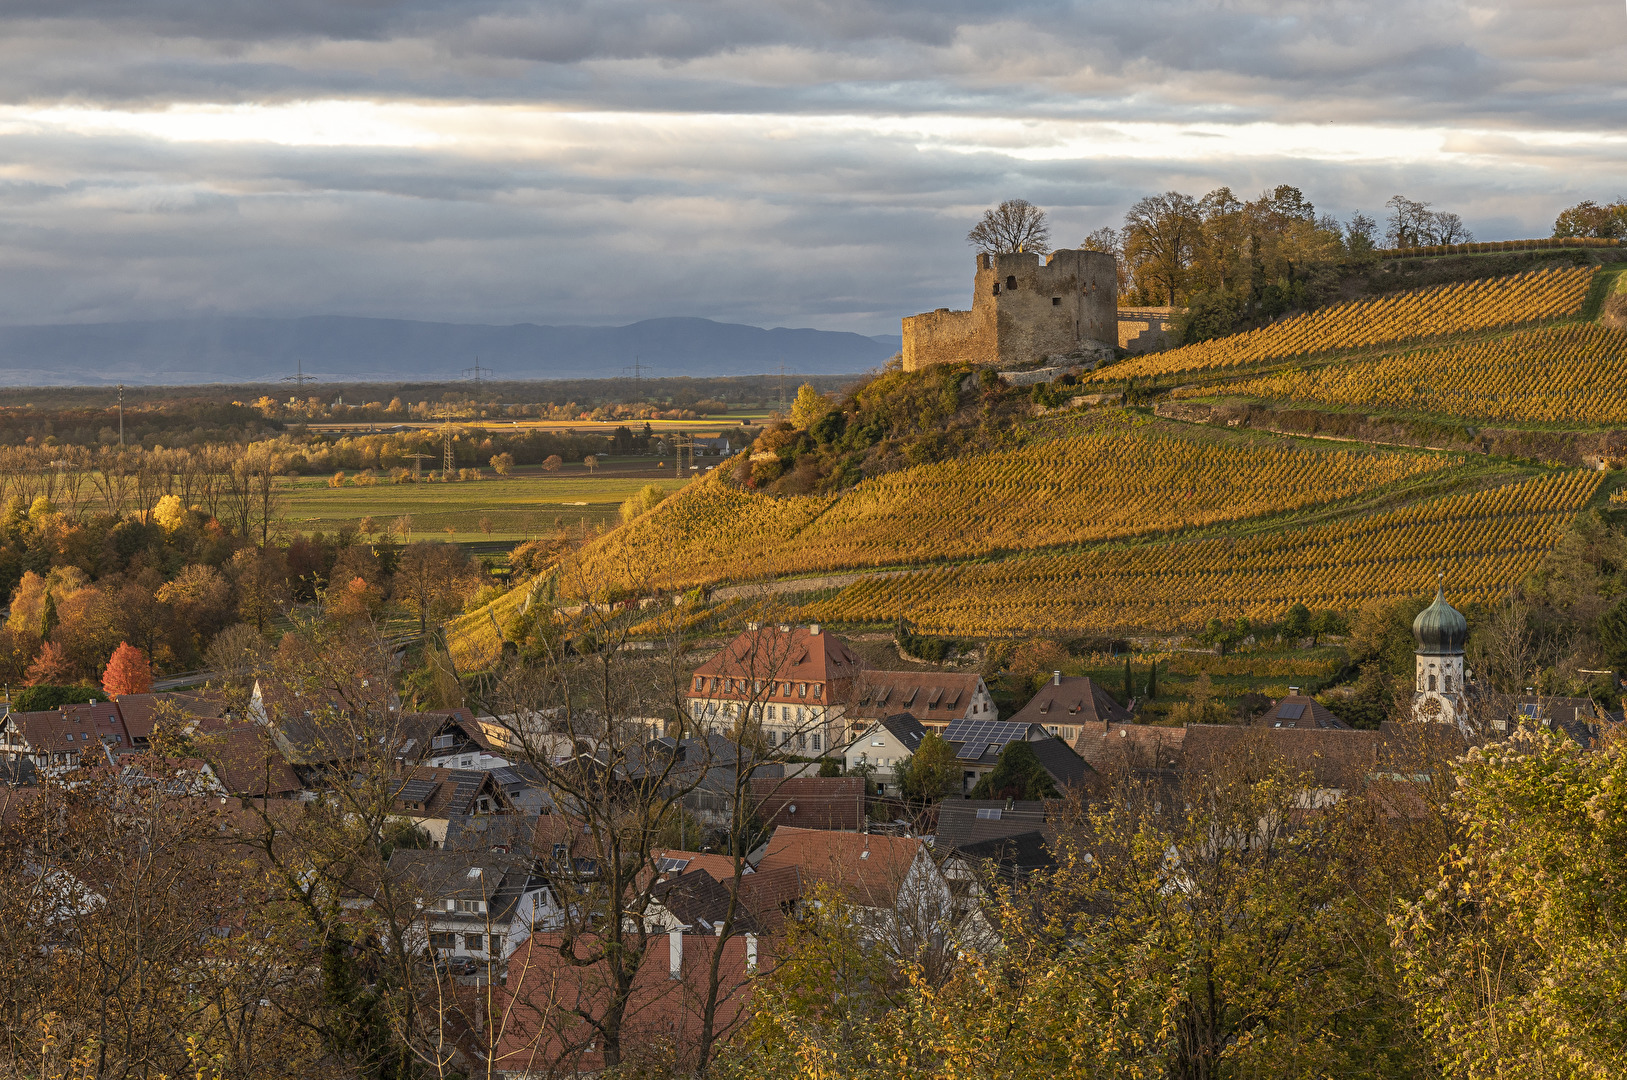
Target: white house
883, 746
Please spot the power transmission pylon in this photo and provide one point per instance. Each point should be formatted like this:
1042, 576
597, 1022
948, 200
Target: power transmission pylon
446, 467
638, 371
417, 464
475, 373
299, 378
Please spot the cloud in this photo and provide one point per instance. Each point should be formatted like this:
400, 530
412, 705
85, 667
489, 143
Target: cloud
775, 162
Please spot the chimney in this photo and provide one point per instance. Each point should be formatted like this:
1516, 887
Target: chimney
675, 953
813, 628
1293, 691
751, 954
1056, 678
754, 626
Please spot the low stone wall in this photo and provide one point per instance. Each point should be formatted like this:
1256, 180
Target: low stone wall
1143, 330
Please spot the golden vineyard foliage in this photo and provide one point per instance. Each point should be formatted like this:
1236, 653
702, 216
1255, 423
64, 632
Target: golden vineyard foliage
1099, 486
1484, 541
1485, 304
1574, 372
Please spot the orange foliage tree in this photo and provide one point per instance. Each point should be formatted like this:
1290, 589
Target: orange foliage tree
127, 672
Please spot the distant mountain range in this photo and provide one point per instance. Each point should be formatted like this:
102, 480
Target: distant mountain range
241, 350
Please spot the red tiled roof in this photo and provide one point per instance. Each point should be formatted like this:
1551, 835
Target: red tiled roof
1134, 746
140, 711
925, 695
870, 869
71, 730
822, 802
1074, 700
781, 657
544, 995
248, 762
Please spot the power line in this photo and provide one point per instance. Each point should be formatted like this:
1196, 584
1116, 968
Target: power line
638, 371
299, 378
475, 373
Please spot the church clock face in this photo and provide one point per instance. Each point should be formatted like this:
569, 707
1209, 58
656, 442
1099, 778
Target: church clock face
1431, 707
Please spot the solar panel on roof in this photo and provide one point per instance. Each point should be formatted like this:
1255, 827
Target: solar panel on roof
972, 751
1291, 712
417, 791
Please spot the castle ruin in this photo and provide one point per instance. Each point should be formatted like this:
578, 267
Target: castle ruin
1023, 310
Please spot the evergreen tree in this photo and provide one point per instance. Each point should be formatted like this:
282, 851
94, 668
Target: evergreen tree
1129, 687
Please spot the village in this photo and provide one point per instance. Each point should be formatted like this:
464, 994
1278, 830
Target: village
576, 880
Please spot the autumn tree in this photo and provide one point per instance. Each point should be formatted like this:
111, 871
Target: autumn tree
1160, 232
432, 580
930, 773
1588, 218
1512, 957
552, 463
1015, 225
502, 464
809, 407
260, 575
127, 672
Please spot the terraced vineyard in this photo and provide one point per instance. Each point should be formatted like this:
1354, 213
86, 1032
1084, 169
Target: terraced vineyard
1484, 541
1103, 485
1559, 373
1490, 303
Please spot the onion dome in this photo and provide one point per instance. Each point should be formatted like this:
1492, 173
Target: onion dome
1440, 629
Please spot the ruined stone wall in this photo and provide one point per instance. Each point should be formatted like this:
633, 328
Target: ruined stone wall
1143, 330
1022, 311
949, 337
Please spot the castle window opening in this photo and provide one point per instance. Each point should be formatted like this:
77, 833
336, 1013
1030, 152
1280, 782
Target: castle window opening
1432, 682
1448, 679
996, 288
1056, 301
1011, 281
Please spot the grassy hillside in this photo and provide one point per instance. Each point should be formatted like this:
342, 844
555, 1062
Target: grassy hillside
1067, 484
972, 508
1417, 314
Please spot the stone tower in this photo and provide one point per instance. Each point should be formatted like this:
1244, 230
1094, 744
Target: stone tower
1022, 310
1440, 631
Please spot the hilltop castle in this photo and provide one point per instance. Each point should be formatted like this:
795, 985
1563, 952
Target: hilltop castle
1022, 310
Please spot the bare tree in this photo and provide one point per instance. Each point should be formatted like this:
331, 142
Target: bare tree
1014, 225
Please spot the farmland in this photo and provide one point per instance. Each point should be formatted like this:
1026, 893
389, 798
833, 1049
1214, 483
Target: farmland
526, 504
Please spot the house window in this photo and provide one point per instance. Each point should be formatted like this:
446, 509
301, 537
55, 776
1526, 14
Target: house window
443, 941
800, 717
497, 945
771, 715
773, 737
1432, 682
802, 741
474, 942
698, 682
440, 742
816, 740
1448, 684
802, 689
819, 691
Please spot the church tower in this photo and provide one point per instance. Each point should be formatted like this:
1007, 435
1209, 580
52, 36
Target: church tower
1441, 632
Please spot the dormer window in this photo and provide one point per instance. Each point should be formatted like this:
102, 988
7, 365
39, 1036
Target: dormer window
819, 691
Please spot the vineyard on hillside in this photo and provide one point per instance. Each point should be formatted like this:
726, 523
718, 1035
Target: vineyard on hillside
1486, 304
1484, 541
1100, 486
1556, 373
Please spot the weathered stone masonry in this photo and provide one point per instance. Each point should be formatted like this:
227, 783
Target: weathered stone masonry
1022, 310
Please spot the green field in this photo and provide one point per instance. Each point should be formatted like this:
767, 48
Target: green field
526, 504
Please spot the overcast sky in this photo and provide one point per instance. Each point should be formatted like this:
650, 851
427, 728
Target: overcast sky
776, 162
